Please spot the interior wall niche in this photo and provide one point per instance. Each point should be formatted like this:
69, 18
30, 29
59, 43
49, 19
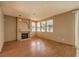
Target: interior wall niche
23, 26
9, 28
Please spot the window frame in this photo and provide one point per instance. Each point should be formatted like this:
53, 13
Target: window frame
33, 28
49, 25
38, 26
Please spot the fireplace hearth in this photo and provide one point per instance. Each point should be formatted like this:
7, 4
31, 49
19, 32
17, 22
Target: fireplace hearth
24, 35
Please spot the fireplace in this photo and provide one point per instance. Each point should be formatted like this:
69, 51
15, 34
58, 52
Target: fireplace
24, 35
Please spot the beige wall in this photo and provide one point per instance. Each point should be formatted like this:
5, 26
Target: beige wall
10, 28
1, 30
64, 29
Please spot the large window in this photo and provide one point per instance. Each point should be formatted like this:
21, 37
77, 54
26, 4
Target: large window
50, 26
38, 27
33, 27
43, 26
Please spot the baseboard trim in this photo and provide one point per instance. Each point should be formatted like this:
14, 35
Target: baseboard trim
56, 41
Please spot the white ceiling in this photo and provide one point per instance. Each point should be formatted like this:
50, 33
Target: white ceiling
37, 10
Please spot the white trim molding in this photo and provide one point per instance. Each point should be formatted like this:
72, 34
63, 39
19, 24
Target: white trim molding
77, 31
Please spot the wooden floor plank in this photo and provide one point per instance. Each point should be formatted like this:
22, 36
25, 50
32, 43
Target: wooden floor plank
37, 47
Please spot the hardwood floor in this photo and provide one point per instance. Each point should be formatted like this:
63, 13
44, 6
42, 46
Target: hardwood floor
37, 47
